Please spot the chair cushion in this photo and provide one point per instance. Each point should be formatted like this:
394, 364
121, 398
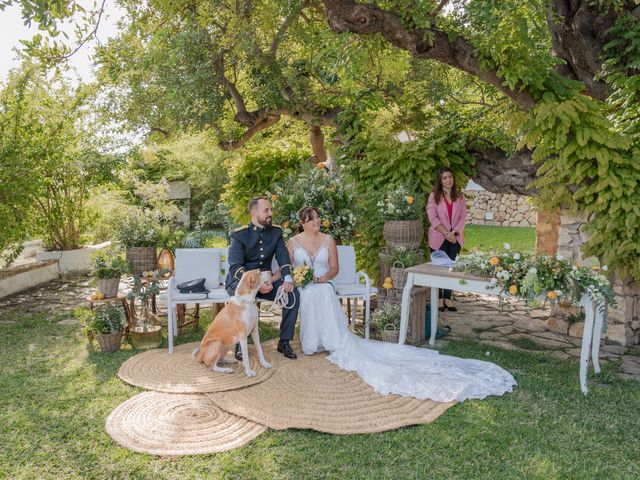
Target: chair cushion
353, 289
176, 296
219, 294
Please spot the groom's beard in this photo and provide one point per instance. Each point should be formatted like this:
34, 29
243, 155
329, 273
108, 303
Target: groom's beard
267, 222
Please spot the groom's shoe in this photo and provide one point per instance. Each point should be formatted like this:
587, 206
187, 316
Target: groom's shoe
238, 353
285, 349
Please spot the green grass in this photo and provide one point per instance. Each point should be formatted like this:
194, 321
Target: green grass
56, 394
488, 237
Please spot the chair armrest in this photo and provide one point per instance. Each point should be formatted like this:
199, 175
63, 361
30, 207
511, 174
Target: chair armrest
171, 286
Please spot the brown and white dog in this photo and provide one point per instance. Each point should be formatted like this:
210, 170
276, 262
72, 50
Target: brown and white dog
233, 324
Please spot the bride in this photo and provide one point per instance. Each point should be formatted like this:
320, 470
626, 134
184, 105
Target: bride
387, 367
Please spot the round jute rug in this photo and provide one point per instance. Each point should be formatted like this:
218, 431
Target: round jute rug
313, 393
178, 424
179, 372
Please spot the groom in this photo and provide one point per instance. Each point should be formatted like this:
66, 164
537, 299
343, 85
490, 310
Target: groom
254, 246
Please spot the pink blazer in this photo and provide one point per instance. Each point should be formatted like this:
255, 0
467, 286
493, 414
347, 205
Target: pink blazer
438, 214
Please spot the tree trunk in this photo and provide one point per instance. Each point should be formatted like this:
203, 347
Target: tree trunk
498, 172
316, 138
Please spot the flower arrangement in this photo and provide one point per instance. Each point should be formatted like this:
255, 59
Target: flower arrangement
387, 314
401, 203
319, 188
537, 279
303, 275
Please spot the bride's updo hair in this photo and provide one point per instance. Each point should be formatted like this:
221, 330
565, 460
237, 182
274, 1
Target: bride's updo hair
304, 215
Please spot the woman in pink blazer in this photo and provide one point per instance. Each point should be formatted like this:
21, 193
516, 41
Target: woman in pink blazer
447, 212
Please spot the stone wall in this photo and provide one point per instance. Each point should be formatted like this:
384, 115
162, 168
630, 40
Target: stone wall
504, 209
624, 320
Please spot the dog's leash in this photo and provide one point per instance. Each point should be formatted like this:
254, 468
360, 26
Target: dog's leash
282, 299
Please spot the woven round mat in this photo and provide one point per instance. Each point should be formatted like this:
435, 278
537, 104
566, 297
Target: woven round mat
313, 393
180, 372
178, 424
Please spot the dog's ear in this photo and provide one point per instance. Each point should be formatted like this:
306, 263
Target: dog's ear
255, 279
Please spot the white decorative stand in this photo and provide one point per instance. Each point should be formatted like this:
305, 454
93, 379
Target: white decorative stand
436, 277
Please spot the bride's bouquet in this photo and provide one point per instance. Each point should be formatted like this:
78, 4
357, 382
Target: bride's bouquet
303, 275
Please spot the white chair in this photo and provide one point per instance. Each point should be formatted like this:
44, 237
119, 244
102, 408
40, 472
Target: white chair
191, 263
347, 284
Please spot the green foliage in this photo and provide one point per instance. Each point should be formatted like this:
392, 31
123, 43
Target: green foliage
401, 203
581, 149
403, 256
316, 187
621, 69
192, 158
107, 318
375, 161
52, 157
387, 314
109, 263
214, 214
136, 227
256, 173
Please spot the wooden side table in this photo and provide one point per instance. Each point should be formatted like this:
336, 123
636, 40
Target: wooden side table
122, 298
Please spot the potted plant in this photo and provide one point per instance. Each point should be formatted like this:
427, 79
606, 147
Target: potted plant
401, 209
146, 332
401, 258
107, 267
387, 320
138, 230
106, 324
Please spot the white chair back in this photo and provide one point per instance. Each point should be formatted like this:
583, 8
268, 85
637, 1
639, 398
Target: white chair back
192, 263
224, 262
347, 263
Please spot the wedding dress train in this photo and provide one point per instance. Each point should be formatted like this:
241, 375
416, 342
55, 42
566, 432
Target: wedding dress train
387, 367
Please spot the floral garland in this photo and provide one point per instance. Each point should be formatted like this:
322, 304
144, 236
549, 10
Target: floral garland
536, 279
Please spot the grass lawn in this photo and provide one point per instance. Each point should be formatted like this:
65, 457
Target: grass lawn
56, 394
489, 237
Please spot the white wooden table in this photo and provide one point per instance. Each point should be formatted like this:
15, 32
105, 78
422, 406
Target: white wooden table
436, 277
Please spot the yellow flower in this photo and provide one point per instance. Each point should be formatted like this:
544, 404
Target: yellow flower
274, 197
494, 261
552, 295
513, 289
595, 268
409, 200
321, 165
499, 269
326, 223
285, 224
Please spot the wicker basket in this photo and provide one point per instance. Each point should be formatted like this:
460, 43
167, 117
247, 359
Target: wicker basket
141, 259
109, 286
385, 264
109, 342
398, 275
390, 335
407, 233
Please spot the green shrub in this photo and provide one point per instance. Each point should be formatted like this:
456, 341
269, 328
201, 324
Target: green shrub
104, 319
256, 173
108, 263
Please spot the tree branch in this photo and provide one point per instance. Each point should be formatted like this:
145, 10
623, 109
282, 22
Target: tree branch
367, 19
499, 172
92, 33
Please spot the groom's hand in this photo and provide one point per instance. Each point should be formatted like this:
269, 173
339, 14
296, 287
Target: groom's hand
287, 287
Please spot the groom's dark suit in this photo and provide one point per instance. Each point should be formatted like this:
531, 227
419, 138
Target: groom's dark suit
254, 247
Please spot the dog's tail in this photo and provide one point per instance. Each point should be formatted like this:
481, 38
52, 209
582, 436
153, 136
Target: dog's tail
195, 352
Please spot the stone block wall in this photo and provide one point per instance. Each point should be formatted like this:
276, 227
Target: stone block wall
624, 321
503, 209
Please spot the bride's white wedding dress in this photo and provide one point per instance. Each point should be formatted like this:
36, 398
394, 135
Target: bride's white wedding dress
387, 367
